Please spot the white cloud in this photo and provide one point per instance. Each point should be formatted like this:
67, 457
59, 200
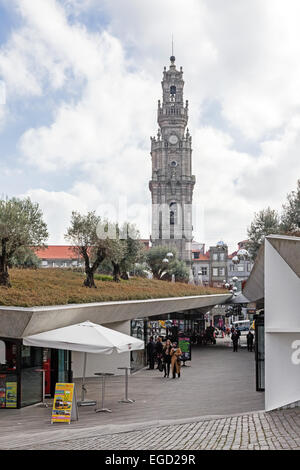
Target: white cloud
242, 56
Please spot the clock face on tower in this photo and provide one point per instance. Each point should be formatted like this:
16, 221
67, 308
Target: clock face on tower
173, 139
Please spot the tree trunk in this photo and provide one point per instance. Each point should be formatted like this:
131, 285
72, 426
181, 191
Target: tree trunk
116, 273
4, 279
90, 281
4, 276
90, 271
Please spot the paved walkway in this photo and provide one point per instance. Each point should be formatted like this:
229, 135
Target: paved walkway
217, 383
255, 431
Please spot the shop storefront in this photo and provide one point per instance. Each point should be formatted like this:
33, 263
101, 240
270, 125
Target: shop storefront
138, 358
21, 377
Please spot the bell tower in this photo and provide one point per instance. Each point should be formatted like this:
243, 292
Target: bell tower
172, 182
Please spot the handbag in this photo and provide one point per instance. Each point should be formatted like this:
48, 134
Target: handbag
161, 367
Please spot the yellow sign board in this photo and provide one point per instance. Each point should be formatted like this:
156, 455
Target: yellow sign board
11, 395
64, 404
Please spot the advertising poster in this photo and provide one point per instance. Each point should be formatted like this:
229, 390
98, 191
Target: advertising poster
2, 390
11, 395
64, 403
185, 346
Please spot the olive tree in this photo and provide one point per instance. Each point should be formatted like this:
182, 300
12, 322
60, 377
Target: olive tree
164, 267
83, 233
290, 218
21, 226
126, 250
265, 222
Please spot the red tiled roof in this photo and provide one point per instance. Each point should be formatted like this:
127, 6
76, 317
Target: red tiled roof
56, 252
201, 256
64, 252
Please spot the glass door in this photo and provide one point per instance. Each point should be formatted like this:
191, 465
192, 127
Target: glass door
260, 352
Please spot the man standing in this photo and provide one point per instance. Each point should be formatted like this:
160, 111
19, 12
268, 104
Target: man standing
250, 339
235, 340
151, 353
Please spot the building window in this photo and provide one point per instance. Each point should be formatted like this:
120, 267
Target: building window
222, 256
204, 271
196, 255
215, 256
221, 271
172, 213
215, 272
240, 269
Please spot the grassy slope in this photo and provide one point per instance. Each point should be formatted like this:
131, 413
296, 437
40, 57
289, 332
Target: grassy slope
60, 287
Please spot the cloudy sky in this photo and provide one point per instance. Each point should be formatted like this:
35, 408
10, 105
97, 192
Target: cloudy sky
82, 80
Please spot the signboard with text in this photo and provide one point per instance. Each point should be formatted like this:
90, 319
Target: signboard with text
184, 343
11, 395
64, 404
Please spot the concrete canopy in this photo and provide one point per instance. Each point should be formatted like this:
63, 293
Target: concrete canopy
16, 322
288, 248
275, 281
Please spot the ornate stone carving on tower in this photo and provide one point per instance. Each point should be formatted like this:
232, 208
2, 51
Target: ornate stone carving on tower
172, 181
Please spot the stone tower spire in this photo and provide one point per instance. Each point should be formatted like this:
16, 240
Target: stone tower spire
172, 181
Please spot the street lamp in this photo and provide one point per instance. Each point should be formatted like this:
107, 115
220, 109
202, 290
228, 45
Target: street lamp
243, 254
166, 261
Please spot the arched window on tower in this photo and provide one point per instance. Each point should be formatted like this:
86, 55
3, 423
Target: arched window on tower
173, 218
160, 226
172, 92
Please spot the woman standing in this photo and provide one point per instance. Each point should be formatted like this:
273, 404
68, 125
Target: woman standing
175, 360
167, 357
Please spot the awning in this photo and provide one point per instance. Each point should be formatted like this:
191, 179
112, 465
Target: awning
85, 337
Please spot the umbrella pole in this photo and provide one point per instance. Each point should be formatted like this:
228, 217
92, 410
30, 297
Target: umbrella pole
84, 402
83, 389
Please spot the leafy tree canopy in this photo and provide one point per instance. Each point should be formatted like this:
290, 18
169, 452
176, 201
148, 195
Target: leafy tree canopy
21, 226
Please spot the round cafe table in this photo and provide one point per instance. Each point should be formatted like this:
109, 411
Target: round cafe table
103, 375
126, 399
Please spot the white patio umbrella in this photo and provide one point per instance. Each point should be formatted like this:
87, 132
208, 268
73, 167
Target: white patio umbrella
86, 337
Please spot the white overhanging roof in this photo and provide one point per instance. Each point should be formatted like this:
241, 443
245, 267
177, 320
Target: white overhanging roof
18, 322
85, 337
288, 248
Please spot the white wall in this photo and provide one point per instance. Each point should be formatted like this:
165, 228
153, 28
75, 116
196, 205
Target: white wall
282, 331
103, 362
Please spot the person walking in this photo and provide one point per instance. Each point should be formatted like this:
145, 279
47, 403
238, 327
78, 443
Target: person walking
250, 339
175, 360
159, 352
167, 357
235, 340
151, 353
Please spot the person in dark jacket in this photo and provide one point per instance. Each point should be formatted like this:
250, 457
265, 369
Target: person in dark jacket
167, 357
151, 353
250, 339
158, 351
235, 340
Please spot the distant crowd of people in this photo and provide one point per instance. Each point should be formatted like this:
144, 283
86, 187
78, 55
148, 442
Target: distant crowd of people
235, 336
165, 356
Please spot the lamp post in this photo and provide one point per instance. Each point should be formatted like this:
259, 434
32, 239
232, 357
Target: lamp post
166, 261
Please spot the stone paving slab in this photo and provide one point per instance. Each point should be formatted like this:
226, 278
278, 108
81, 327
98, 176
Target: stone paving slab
217, 383
279, 430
